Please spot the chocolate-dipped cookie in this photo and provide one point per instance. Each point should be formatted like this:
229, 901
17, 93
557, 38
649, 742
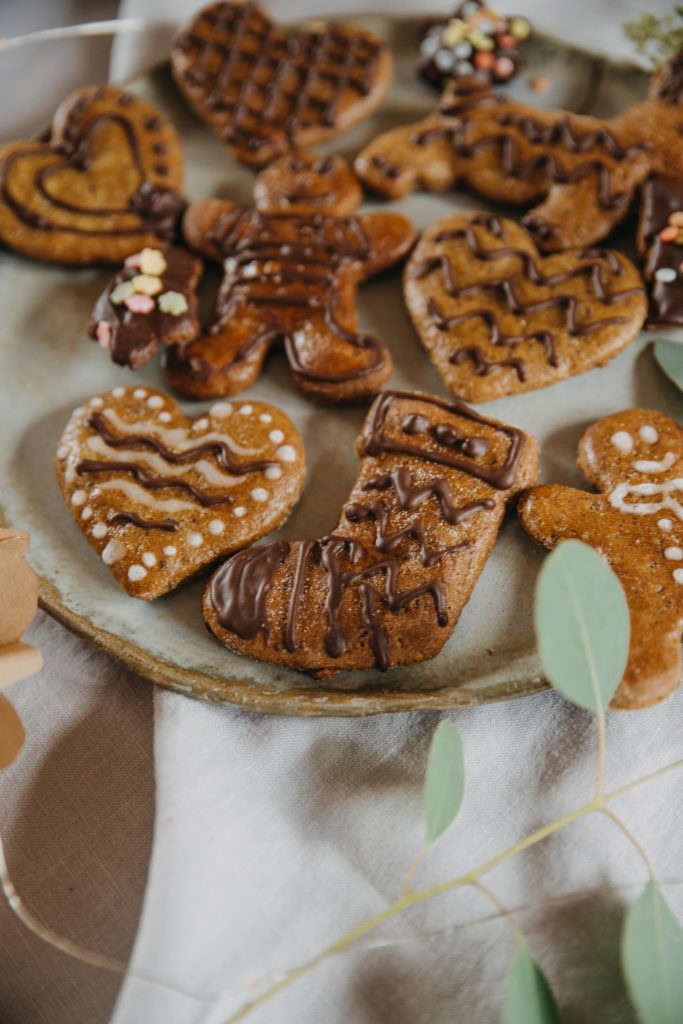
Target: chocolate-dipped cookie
161, 497
660, 241
497, 318
264, 90
105, 185
387, 586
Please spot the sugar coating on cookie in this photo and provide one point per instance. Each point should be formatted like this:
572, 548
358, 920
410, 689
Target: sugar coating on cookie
162, 492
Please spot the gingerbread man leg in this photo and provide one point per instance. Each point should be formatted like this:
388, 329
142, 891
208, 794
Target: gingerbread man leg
387, 587
635, 459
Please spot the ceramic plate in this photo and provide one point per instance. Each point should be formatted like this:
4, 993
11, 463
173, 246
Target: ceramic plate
49, 366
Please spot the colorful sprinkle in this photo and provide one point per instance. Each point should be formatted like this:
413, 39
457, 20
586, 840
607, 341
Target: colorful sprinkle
669, 233
520, 28
146, 284
103, 333
173, 303
665, 274
121, 292
152, 262
676, 218
133, 260
140, 303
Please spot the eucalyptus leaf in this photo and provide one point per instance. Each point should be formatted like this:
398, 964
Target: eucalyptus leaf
582, 625
445, 780
669, 355
652, 958
528, 998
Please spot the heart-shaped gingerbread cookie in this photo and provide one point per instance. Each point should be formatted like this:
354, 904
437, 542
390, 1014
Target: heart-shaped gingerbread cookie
105, 185
264, 90
160, 497
497, 318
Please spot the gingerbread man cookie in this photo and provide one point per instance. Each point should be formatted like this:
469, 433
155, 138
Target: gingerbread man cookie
584, 170
161, 497
290, 278
635, 460
497, 318
387, 587
263, 90
152, 301
105, 185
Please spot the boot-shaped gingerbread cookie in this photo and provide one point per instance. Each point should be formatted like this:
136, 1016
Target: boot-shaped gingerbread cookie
584, 170
290, 277
387, 587
635, 460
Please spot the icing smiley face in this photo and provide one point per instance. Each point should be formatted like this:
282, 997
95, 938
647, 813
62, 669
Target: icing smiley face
387, 586
497, 318
635, 459
105, 185
161, 497
264, 91
308, 183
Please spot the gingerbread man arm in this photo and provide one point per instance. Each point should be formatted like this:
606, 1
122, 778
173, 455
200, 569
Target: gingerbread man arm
393, 164
207, 222
390, 237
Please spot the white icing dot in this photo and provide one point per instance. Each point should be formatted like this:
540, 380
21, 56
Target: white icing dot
273, 472
239, 511
155, 401
665, 274
62, 452
170, 550
246, 410
194, 539
678, 575
139, 393
149, 559
78, 498
260, 494
674, 554
276, 436
622, 441
265, 417
220, 409
216, 526
86, 513
113, 551
99, 530
665, 525
136, 573
286, 453
118, 392
79, 411
201, 424
97, 403
164, 417
94, 492
648, 434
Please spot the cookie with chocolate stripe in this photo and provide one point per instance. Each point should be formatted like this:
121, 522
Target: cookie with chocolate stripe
152, 301
308, 183
160, 497
498, 318
583, 172
107, 183
635, 461
264, 90
387, 586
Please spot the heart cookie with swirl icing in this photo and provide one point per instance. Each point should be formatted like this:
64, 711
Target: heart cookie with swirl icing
161, 497
264, 90
497, 318
106, 184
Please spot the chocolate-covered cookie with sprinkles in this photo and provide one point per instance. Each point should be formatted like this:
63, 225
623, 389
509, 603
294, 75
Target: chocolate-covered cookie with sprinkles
660, 241
161, 497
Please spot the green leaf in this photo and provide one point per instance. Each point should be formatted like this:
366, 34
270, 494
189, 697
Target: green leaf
582, 625
528, 998
445, 780
652, 959
669, 355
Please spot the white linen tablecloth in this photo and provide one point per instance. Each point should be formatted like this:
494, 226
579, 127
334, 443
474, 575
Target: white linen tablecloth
274, 836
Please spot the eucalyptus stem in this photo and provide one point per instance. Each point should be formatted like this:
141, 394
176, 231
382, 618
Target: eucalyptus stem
635, 843
505, 912
410, 899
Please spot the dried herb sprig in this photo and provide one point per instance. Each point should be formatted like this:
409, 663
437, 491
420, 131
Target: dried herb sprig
657, 37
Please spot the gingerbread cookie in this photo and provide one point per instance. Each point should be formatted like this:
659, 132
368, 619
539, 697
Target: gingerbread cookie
264, 90
635, 460
161, 497
105, 185
152, 301
497, 318
660, 241
289, 278
308, 183
475, 41
387, 587
586, 171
